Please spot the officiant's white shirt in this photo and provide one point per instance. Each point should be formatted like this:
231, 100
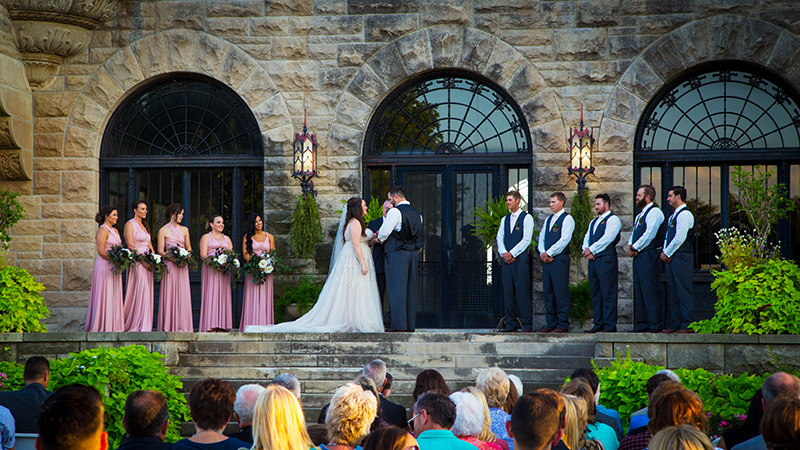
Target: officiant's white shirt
392, 222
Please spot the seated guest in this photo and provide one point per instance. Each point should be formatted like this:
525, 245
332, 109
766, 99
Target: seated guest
387, 387
494, 384
486, 432
779, 384
516, 382
638, 423
469, 420
683, 437
72, 419
434, 415
511, 398
390, 412
672, 376
211, 404
576, 419
318, 433
146, 421
349, 417
243, 409
595, 429
536, 423
430, 381
25, 403
7, 427
781, 424
369, 386
750, 427
603, 414
390, 438
673, 405
288, 381
278, 422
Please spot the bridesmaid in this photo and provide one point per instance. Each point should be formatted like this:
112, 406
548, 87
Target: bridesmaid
257, 304
215, 307
138, 309
105, 300
175, 299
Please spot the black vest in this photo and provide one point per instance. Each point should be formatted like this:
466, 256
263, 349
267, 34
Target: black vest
640, 228
410, 234
672, 229
512, 237
554, 233
595, 235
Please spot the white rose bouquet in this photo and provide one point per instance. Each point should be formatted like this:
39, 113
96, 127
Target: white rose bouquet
224, 261
262, 265
121, 258
153, 263
182, 257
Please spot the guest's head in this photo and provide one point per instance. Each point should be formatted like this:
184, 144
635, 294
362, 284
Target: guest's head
376, 370
780, 426
211, 404
387, 386
535, 423
430, 381
72, 419
511, 398
682, 437
396, 195
433, 411
387, 205
390, 438
288, 381
486, 431
278, 422
671, 405
590, 377
350, 414
215, 221
579, 387
318, 433
780, 384
517, 382
146, 414
469, 415
245, 404
493, 382
654, 382
368, 385
575, 419
37, 370
672, 375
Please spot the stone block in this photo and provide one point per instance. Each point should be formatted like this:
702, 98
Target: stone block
330, 6
476, 48
69, 251
46, 183
445, 42
88, 114
73, 319
489, 23
693, 41
180, 15
555, 73
181, 48
627, 46
524, 38
103, 89
641, 80
544, 19
388, 66
597, 13
289, 7
725, 39
451, 12
272, 113
289, 47
788, 18
26, 243
624, 106
713, 7
503, 63
236, 68
53, 104
41, 267
45, 145
50, 125
100, 55
228, 26
78, 230
269, 26
61, 164
70, 211
279, 139
79, 142
77, 275
787, 60
211, 52
356, 54
508, 6
381, 7
758, 40
541, 109
344, 140
249, 8
257, 88
549, 137
415, 50
322, 51
294, 75
664, 58
616, 136
588, 72
367, 86
690, 356
655, 7
662, 24
335, 25
384, 28
580, 44
526, 83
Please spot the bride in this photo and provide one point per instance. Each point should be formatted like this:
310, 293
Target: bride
349, 301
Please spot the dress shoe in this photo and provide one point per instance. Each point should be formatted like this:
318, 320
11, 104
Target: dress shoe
594, 330
685, 331
545, 330
560, 330
612, 330
668, 330
508, 330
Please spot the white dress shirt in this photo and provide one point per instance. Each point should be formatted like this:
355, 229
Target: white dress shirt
684, 223
527, 234
612, 229
567, 227
392, 222
653, 221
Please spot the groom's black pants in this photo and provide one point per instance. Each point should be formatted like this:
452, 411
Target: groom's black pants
401, 286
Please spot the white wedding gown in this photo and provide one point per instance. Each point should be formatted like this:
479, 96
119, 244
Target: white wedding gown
348, 302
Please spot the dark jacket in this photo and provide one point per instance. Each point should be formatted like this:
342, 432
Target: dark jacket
393, 413
25, 404
377, 249
244, 434
145, 443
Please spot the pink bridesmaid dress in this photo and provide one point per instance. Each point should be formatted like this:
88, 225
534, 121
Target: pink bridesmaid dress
138, 309
257, 304
215, 307
105, 300
175, 298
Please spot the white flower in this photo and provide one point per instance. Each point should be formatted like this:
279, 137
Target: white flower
157, 259
222, 259
236, 262
183, 252
263, 264
127, 252
268, 269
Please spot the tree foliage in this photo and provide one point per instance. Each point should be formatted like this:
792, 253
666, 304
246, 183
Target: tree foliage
305, 232
763, 204
11, 211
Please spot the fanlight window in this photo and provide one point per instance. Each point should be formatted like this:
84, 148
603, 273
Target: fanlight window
449, 115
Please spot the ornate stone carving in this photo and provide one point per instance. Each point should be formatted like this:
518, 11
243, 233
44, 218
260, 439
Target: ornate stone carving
47, 31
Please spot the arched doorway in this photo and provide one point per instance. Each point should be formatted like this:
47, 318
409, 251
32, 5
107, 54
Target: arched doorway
184, 138
453, 140
699, 127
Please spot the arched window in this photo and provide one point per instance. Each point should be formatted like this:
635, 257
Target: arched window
184, 138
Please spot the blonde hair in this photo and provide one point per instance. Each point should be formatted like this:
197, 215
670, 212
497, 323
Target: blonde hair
486, 432
278, 421
684, 437
350, 415
494, 384
576, 420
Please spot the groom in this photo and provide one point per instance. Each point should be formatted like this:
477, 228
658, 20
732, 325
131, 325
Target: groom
401, 235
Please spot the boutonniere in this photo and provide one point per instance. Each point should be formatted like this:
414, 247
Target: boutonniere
516, 227
640, 221
554, 228
604, 221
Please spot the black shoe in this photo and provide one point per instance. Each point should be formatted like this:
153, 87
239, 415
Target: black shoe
613, 330
545, 330
594, 330
527, 330
508, 330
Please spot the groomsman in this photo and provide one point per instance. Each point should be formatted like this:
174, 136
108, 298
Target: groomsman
513, 239
553, 241
679, 257
600, 248
378, 253
644, 247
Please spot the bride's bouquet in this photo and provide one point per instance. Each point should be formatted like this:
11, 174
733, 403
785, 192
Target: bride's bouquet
153, 262
225, 262
182, 257
121, 258
260, 266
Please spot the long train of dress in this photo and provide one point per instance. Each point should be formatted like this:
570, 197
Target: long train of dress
348, 302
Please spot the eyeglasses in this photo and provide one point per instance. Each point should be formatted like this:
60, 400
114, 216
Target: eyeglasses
411, 420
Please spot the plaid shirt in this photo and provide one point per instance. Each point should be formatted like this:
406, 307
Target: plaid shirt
638, 441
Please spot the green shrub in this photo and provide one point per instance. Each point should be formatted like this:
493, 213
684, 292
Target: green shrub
305, 232
10, 376
582, 212
10, 213
580, 307
487, 220
304, 294
21, 305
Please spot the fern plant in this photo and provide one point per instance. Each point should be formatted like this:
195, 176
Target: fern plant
487, 221
305, 232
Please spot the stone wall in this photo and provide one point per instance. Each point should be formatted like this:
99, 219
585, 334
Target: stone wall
339, 58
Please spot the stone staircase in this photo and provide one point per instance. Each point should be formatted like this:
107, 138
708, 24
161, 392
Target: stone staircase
325, 361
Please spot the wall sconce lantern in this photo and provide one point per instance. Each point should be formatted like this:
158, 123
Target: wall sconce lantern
304, 167
581, 144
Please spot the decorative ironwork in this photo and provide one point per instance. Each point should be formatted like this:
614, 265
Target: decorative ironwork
581, 144
449, 114
304, 165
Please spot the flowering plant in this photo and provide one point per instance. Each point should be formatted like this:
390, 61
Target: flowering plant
154, 263
182, 257
121, 258
719, 425
740, 249
224, 261
260, 266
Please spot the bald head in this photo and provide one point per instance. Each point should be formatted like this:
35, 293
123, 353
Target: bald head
780, 384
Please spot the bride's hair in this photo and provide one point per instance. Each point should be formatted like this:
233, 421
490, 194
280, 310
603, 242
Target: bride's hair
354, 211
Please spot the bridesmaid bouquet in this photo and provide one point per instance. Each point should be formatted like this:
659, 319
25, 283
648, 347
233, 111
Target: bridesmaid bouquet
224, 261
182, 257
121, 258
262, 265
152, 261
